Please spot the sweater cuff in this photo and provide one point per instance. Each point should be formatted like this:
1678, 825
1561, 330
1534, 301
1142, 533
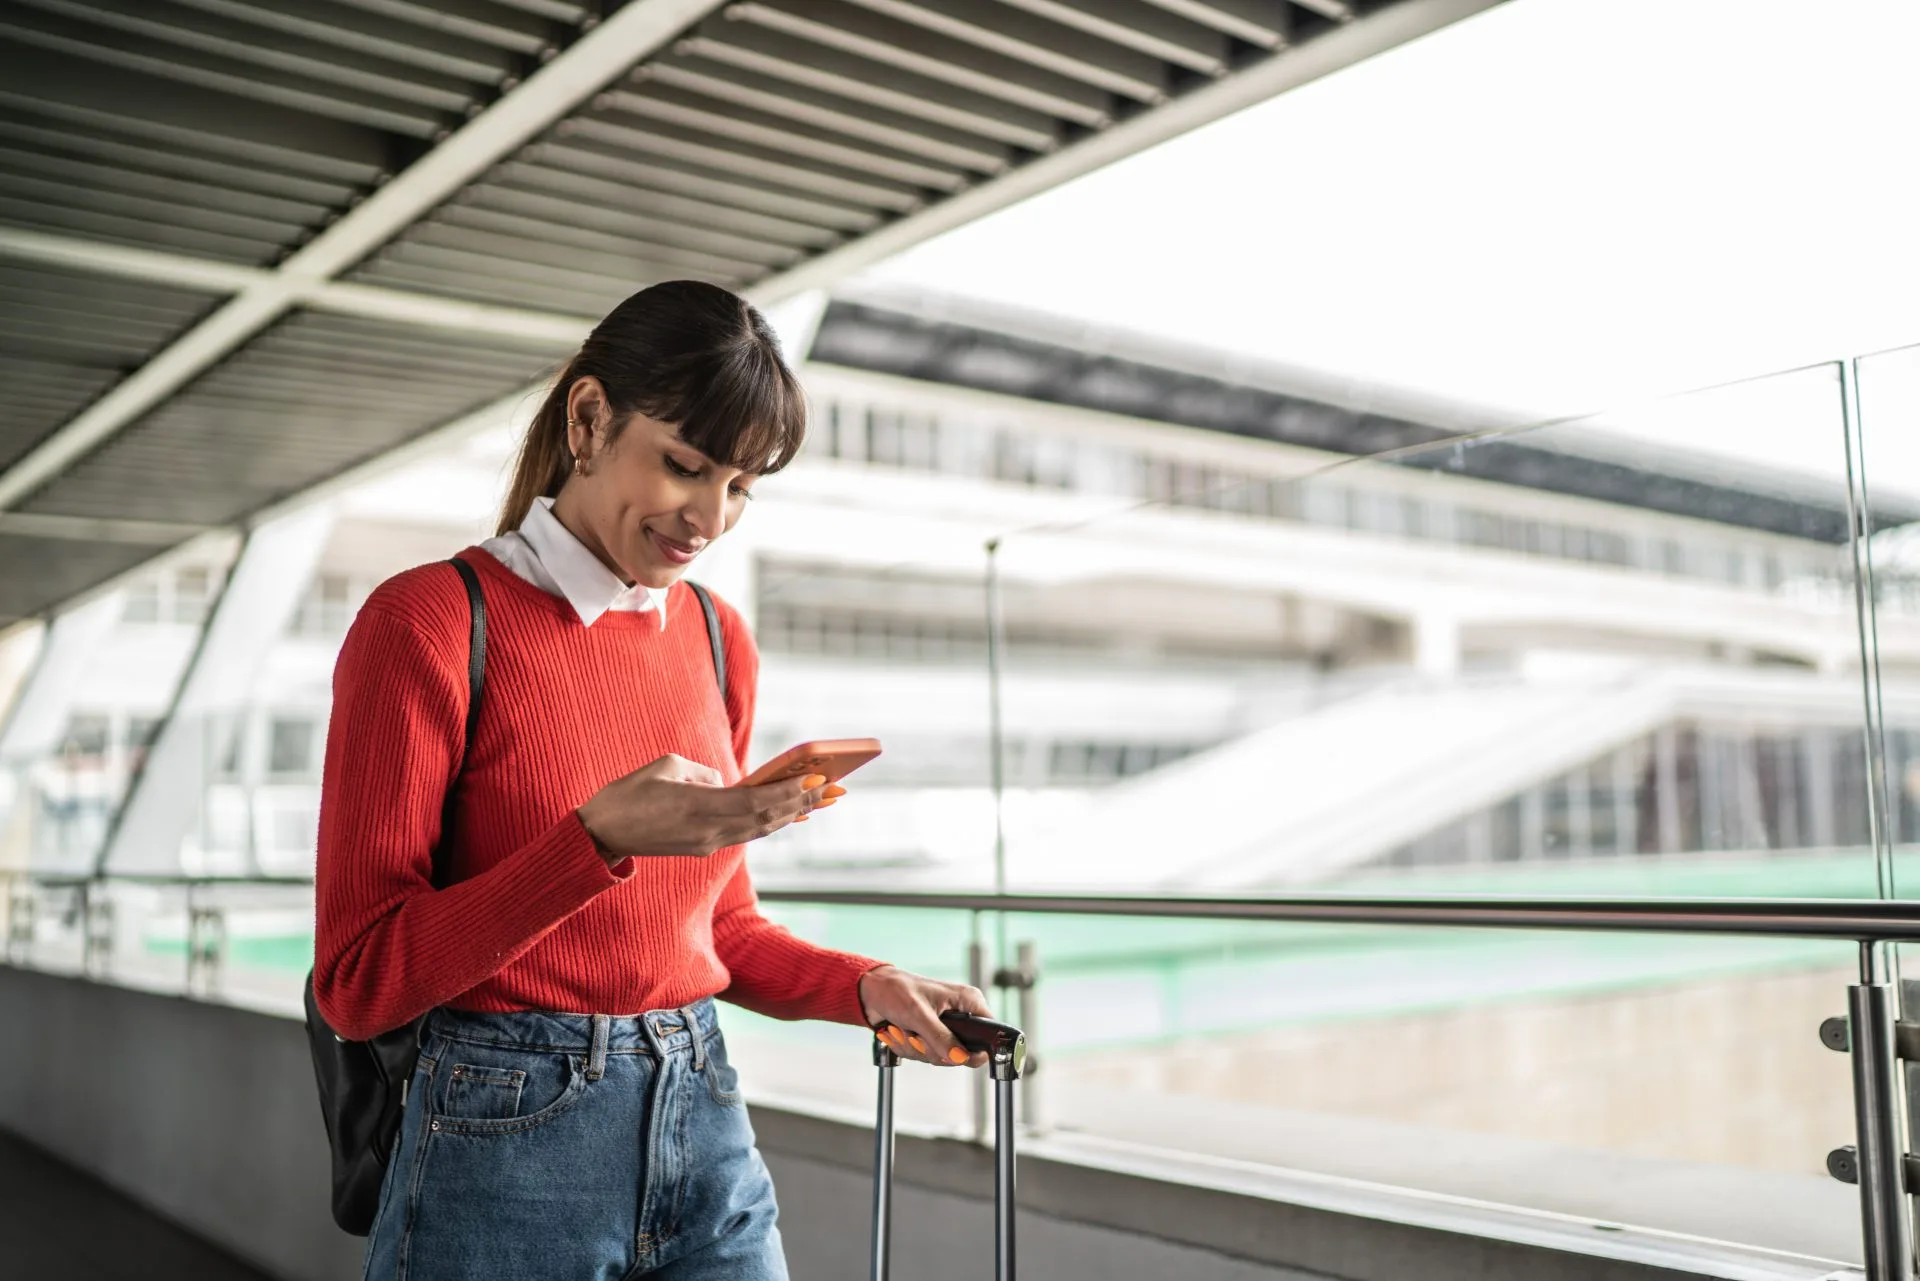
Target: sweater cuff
854, 968
559, 872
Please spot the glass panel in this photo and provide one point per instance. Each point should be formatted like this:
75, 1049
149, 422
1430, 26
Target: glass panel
1566, 1072
1621, 639
1608, 658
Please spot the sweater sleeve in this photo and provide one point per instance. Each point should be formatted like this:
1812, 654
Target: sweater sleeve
773, 972
388, 946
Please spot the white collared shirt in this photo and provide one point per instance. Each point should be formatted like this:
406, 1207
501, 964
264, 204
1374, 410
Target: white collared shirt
546, 554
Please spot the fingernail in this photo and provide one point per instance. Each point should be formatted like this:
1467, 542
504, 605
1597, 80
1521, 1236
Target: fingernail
801, 819
917, 1044
956, 1055
831, 800
835, 792
812, 781
897, 1034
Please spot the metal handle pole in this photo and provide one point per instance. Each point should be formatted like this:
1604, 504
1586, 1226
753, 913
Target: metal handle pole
885, 1060
1885, 1233
1003, 1198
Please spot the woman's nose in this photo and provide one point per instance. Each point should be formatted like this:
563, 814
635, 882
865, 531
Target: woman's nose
706, 514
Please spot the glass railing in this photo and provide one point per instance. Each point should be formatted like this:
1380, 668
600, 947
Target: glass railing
1618, 658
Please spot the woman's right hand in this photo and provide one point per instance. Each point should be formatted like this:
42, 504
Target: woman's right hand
678, 807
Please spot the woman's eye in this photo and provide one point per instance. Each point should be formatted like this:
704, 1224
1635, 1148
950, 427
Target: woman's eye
741, 491
677, 468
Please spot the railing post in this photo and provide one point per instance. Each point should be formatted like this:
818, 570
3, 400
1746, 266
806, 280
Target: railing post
1886, 1234
977, 978
1024, 980
96, 927
206, 945
20, 914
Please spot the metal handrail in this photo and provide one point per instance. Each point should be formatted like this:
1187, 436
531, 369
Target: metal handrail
1857, 921
1878, 1161
1850, 920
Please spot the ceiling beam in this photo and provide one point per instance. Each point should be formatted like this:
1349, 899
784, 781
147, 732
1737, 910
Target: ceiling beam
99, 529
377, 302
575, 75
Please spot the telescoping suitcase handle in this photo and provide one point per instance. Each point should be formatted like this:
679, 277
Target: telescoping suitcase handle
1006, 1049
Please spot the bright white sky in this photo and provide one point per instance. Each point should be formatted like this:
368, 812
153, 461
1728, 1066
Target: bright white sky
1555, 207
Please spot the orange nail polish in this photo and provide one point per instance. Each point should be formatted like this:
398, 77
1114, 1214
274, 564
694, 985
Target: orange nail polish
801, 819
831, 800
917, 1044
896, 1034
835, 792
956, 1055
812, 781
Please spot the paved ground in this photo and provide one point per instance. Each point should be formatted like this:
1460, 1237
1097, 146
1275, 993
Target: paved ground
56, 1222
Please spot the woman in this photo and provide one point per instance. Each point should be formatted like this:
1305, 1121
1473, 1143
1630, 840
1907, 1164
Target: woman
573, 1114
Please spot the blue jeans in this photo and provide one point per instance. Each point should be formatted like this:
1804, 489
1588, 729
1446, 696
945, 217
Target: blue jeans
575, 1146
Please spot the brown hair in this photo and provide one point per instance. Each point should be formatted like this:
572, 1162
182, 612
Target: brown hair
684, 352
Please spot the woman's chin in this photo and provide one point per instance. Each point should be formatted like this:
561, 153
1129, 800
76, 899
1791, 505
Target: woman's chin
650, 571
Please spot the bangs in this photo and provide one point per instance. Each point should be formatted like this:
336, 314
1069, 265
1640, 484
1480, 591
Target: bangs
745, 410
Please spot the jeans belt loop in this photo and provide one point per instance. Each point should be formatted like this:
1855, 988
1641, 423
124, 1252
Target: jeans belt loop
597, 1056
698, 1036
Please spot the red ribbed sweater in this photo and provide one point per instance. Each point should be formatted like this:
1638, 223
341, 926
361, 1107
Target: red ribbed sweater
532, 918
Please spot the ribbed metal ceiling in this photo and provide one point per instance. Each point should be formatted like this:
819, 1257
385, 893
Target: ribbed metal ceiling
66, 336
234, 129
312, 396
735, 142
773, 131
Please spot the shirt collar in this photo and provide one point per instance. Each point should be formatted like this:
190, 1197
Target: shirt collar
587, 584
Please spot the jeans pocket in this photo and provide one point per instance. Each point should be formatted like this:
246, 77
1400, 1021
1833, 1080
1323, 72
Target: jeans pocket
479, 1093
499, 1091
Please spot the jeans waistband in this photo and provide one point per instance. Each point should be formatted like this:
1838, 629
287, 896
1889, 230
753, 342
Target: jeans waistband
657, 1032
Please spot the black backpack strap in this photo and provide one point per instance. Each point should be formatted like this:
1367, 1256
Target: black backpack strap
476, 677
713, 636
476, 644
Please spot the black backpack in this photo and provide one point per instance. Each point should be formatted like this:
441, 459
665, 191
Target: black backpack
363, 1084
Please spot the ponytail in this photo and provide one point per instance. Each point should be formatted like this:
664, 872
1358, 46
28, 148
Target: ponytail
545, 456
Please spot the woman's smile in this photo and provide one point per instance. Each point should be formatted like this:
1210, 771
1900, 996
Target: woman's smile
673, 551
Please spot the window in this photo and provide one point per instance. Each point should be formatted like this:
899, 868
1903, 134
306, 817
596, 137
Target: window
327, 608
87, 734
192, 592
143, 601
290, 745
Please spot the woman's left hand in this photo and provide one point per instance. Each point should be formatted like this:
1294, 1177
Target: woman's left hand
904, 1009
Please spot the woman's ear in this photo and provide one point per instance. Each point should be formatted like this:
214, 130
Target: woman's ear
586, 417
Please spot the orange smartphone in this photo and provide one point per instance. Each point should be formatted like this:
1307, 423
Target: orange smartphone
834, 757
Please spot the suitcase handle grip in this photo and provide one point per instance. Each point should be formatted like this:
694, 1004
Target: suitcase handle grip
1004, 1044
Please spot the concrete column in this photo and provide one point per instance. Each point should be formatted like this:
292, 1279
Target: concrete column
1579, 813
1533, 823
1666, 791
262, 593
1626, 814
1816, 747
1436, 644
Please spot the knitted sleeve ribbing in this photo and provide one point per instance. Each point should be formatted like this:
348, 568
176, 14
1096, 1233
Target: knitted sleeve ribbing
388, 946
